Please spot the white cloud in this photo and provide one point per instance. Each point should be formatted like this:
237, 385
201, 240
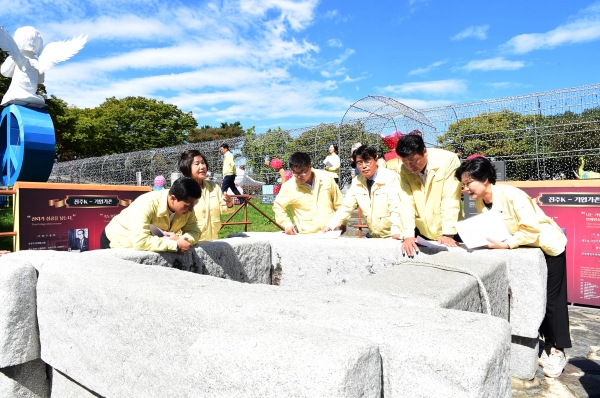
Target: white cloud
334, 43
584, 27
476, 32
435, 87
348, 79
497, 63
420, 71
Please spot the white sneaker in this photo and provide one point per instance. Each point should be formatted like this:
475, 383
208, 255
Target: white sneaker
544, 357
555, 364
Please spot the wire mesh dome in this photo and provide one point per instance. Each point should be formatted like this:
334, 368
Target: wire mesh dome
375, 117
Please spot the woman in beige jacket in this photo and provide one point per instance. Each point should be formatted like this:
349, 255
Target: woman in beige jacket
529, 226
213, 203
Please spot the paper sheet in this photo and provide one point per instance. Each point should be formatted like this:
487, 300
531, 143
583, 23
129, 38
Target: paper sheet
154, 230
474, 231
330, 234
431, 243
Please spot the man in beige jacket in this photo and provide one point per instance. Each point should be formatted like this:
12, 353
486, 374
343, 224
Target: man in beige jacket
430, 194
312, 195
376, 191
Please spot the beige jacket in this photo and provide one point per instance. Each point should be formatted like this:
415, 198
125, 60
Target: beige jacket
434, 208
527, 223
310, 209
380, 210
209, 209
334, 169
228, 164
131, 227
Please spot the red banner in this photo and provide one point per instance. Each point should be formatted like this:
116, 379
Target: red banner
67, 216
575, 206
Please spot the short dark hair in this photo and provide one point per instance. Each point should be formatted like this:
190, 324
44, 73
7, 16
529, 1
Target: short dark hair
185, 187
366, 152
335, 148
299, 159
224, 145
80, 230
410, 143
479, 168
187, 158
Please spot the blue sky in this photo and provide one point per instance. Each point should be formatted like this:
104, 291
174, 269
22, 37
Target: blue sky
297, 63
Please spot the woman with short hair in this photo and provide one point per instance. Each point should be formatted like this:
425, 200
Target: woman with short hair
192, 163
528, 226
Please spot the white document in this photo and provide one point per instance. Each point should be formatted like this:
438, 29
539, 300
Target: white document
431, 243
336, 233
474, 231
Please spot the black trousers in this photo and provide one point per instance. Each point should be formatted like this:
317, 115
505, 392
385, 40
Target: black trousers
104, 242
555, 326
229, 182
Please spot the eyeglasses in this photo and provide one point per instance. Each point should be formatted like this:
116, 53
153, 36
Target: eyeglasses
360, 163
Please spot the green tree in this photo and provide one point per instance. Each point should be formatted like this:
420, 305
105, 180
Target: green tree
126, 125
209, 133
260, 147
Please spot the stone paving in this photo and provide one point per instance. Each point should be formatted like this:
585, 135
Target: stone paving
581, 377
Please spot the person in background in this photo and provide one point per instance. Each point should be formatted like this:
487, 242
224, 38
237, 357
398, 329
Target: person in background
429, 195
159, 183
151, 221
332, 163
213, 203
228, 171
376, 191
529, 226
312, 195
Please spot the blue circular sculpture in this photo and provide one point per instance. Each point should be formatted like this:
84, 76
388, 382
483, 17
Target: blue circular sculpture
27, 138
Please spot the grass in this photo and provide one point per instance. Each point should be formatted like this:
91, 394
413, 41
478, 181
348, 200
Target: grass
6, 225
259, 222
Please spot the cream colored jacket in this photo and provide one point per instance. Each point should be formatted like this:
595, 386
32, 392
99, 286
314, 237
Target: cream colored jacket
380, 210
334, 169
228, 164
434, 208
209, 209
310, 209
527, 223
131, 227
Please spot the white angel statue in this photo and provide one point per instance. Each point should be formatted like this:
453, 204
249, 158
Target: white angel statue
26, 68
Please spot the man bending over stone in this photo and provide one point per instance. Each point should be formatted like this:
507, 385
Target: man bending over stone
312, 195
153, 220
430, 193
376, 191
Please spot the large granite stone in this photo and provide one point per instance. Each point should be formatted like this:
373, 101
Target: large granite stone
237, 260
310, 261
229, 259
442, 281
65, 387
19, 339
119, 328
28, 380
527, 275
524, 357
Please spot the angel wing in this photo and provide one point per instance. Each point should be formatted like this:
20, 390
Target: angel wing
7, 43
60, 51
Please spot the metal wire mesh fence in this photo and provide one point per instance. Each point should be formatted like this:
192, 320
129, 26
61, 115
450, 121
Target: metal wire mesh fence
540, 136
